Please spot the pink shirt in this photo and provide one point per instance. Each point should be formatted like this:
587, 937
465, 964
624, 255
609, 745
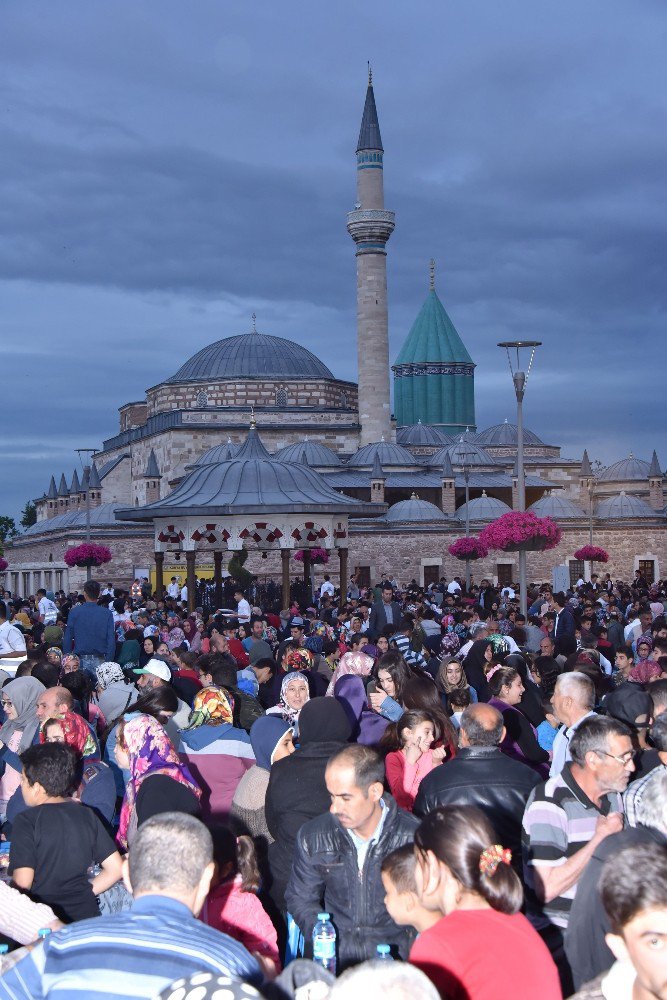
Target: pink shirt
404, 779
21, 919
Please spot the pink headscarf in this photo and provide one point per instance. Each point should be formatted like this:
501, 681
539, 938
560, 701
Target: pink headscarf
355, 664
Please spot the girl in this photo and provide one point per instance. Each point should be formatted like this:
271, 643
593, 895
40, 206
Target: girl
232, 905
520, 741
407, 766
391, 674
451, 678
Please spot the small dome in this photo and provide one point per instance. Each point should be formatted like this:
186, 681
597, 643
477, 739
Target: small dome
483, 509
422, 436
414, 509
387, 452
102, 516
625, 505
464, 450
625, 469
317, 455
251, 355
220, 453
556, 506
506, 435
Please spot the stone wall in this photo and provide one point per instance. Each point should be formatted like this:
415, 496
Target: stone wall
132, 415
274, 393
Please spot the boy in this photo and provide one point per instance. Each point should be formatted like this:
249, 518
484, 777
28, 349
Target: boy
401, 900
56, 840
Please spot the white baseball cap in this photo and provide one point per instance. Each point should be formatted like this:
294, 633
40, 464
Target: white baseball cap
158, 668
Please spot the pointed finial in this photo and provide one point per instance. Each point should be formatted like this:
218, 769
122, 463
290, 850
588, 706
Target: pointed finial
432, 274
253, 424
254, 323
370, 75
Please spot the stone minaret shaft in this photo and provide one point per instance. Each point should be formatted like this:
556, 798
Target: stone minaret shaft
370, 226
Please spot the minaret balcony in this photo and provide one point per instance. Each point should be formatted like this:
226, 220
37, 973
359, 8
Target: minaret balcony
370, 226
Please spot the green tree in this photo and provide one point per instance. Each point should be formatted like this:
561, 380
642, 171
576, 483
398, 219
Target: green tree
28, 514
236, 570
7, 528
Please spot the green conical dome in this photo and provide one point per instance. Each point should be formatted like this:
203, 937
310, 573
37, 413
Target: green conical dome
433, 337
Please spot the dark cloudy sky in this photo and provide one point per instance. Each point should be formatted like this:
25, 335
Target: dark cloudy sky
167, 168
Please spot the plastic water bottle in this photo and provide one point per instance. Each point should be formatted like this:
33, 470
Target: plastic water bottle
4, 948
384, 952
324, 943
43, 933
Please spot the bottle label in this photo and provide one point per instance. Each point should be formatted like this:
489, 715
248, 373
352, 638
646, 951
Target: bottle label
324, 948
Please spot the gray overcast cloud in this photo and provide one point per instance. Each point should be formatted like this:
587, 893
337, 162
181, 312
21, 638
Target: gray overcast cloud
169, 168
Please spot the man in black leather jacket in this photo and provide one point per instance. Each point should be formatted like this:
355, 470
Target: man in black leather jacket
481, 775
338, 858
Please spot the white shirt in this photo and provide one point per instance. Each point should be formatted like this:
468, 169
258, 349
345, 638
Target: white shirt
453, 587
12, 639
327, 588
243, 610
184, 592
173, 590
48, 611
632, 631
508, 592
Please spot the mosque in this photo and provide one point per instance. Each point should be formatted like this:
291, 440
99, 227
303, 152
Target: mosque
394, 490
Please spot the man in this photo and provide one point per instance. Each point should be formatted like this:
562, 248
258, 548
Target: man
297, 636
480, 775
636, 790
573, 701
12, 641
534, 635
338, 858
135, 591
634, 893
585, 944
564, 622
173, 589
327, 589
137, 953
48, 612
385, 612
260, 648
243, 611
565, 820
623, 663
234, 645
90, 631
156, 674
454, 587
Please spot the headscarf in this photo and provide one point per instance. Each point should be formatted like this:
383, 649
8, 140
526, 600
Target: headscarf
150, 752
324, 721
68, 659
107, 673
282, 708
150, 630
76, 733
212, 706
57, 652
189, 628
299, 659
367, 725
355, 664
642, 673
450, 644
315, 643
446, 686
129, 653
23, 692
176, 638
265, 735
473, 666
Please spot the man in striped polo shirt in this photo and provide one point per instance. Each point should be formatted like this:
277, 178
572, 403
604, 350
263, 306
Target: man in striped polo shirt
566, 817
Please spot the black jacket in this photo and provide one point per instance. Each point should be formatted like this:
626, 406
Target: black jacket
297, 791
378, 618
486, 778
325, 871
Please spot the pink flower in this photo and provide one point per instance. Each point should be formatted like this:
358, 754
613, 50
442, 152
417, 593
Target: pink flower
518, 528
468, 548
88, 554
3, 564
592, 553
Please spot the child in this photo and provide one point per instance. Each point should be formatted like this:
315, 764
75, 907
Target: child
459, 700
401, 899
56, 840
232, 905
405, 767
546, 731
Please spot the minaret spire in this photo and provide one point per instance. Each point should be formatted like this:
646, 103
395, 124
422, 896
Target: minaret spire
432, 274
370, 226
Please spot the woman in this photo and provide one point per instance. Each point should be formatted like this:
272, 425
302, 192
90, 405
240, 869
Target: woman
483, 948
54, 655
161, 704
69, 664
350, 664
297, 791
158, 782
148, 649
450, 677
217, 753
19, 701
271, 741
113, 695
520, 740
130, 654
192, 634
367, 726
390, 674
294, 693
480, 656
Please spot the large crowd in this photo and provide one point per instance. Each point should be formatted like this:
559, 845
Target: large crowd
389, 791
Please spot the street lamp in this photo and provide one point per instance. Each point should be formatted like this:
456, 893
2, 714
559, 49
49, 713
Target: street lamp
591, 494
465, 454
520, 378
86, 481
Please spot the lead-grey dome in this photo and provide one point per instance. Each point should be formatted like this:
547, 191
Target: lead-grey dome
556, 506
463, 451
414, 510
483, 509
625, 469
422, 436
215, 455
102, 516
625, 505
318, 456
251, 355
506, 435
388, 453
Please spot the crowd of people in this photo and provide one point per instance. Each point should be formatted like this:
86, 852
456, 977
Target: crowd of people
473, 799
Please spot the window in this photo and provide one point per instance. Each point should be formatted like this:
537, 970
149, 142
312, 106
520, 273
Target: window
504, 572
201, 399
59, 579
576, 571
647, 569
363, 576
281, 397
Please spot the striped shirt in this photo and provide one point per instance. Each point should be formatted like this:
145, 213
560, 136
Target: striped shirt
559, 820
632, 797
127, 956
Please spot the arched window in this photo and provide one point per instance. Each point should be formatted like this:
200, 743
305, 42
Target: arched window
281, 397
201, 399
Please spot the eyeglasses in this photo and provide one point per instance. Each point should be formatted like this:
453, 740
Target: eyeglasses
624, 758
5, 704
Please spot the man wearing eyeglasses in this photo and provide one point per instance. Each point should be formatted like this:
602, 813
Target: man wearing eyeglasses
566, 818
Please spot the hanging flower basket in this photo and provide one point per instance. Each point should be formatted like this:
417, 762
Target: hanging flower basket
318, 557
88, 555
592, 553
3, 564
519, 531
468, 548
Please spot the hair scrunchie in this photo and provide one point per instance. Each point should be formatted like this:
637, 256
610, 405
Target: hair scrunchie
492, 856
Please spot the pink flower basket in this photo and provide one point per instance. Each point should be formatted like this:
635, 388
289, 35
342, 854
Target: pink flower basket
519, 531
3, 564
318, 557
88, 555
592, 553
468, 548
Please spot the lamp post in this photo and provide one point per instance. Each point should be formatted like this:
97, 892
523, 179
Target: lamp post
86, 479
519, 379
465, 454
590, 513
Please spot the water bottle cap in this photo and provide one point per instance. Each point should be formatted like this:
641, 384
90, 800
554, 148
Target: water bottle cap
383, 949
4, 948
322, 916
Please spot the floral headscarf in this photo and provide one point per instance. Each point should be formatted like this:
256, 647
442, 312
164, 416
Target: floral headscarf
176, 638
212, 706
450, 644
357, 664
315, 643
57, 653
271, 635
499, 643
288, 713
150, 752
70, 659
76, 733
299, 659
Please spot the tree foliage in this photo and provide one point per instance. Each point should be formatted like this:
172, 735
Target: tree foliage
28, 515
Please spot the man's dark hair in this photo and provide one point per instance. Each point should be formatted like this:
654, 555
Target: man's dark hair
592, 736
221, 666
658, 692
400, 867
266, 663
359, 639
3, 610
91, 589
633, 881
366, 762
47, 673
658, 733
41, 591
478, 735
54, 766
387, 586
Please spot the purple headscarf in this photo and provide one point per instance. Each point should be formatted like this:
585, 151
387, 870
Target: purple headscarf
367, 725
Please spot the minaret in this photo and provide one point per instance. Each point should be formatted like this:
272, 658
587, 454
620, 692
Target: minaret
370, 226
